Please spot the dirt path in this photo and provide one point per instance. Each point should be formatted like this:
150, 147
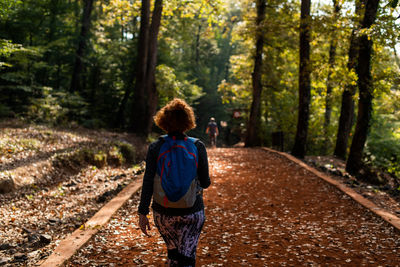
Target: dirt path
262, 210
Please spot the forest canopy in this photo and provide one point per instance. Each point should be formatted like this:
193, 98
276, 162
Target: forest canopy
113, 63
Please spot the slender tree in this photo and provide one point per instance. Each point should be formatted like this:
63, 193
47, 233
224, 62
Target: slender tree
329, 83
299, 148
197, 45
54, 9
252, 138
347, 107
151, 88
365, 87
120, 119
139, 103
76, 83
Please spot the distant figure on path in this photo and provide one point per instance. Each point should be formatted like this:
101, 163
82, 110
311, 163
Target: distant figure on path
212, 131
176, 173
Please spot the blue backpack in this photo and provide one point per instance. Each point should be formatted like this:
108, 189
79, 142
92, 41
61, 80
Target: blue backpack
176, 184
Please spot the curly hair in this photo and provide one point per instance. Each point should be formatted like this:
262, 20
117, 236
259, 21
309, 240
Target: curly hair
176, 116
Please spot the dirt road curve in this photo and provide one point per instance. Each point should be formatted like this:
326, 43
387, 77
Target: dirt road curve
262, 210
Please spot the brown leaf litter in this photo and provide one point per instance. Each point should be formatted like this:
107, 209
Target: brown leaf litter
262, 210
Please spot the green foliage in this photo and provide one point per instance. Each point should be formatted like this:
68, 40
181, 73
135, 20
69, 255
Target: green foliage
170, 87
383, 146
44, 109
115, 153
115, 156
5, 111
56, 107
6, 49
99, 159
279, 76
205, 55
128, 152
7, 6
95, 123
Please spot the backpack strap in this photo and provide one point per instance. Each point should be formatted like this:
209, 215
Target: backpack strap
192, 139
163, 137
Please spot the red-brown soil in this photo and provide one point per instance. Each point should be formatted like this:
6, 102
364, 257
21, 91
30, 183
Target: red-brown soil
262, 210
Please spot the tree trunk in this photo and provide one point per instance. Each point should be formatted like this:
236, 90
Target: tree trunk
299, 148
347, 109
197, 48
58, 74
120, 119
139, 103
329, 83
76, 14
94, 86
53, 19
365, 86
152, 97
76, 83
252, 135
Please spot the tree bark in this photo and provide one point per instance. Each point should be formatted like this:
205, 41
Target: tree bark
76, 14
76, 83
139, 103
347, 108
252, 135
329, 83
94, 86
299, 148
120, 119
197, 48
152, 97
53, 19
365, 86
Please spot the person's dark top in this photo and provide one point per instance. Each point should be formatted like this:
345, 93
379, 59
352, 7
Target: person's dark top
151, 168
212, 126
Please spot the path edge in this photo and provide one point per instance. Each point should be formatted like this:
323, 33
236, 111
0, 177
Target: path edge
72, 243
384, 214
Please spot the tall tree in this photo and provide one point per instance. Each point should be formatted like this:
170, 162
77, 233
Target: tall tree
299, 148
329, 83
54, 9
252, 136
76, 82
151, 88
145, 103
139, 103
365, 87
347, 107
120, 118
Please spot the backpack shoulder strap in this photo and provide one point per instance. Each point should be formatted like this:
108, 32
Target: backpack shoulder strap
192, 139
163, 137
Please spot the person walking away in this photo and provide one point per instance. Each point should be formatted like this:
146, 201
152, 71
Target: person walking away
175, 176
212, 131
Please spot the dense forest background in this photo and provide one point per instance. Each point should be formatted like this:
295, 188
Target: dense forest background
112, 63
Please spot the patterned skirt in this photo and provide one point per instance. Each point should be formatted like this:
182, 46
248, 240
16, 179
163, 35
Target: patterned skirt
181, 235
